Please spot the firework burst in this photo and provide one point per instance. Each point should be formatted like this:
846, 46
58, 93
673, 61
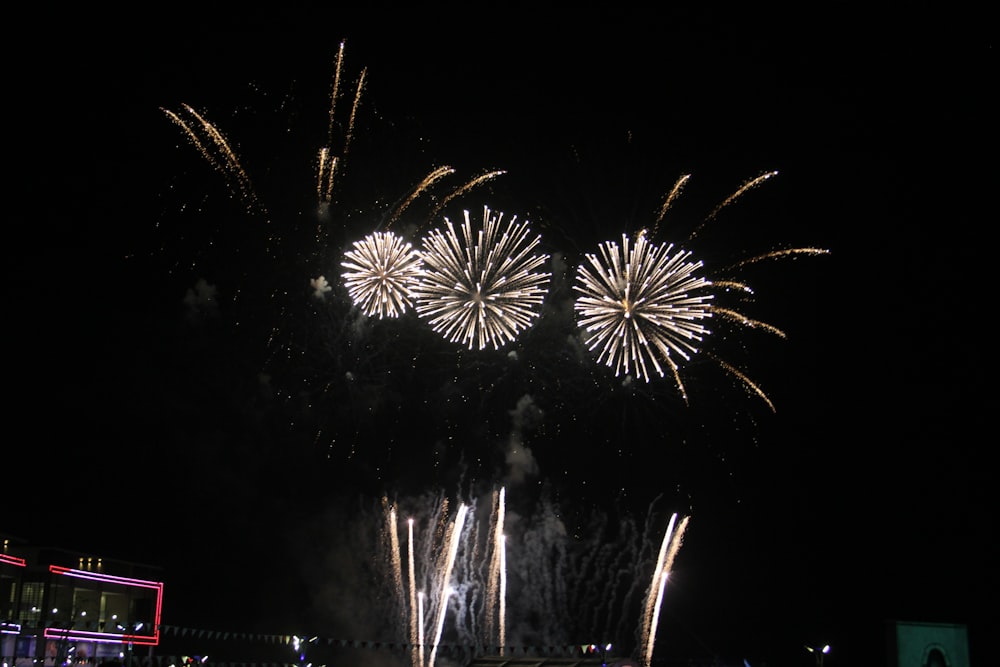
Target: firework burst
383, 267
482, 287
642, 307
641, 304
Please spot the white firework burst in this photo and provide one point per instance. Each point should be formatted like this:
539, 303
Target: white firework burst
383, 269
482, 287
642, 306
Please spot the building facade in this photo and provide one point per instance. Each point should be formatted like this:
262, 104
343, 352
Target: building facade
60, 608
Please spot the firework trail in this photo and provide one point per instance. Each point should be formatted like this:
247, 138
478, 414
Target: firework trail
327, 163
746, 187
775, 254
669, 200
668, 551
475, 182
567, 587
482, 288
223, 159
498, 572
454, 539
415, 639
433, 177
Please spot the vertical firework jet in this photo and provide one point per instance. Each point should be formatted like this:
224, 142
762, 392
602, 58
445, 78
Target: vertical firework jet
665, 561
457, 581
481, 288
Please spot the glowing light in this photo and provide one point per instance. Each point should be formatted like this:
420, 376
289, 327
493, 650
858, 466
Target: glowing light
482, 288
140, 639
669, 547
454, 538
640, 305
383, 269
216, 149
12, 560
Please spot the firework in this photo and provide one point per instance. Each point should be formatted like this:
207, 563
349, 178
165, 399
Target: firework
483, 287
218, 152
642, 304
382, 269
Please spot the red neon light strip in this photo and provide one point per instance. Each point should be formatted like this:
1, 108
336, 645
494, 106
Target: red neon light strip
142, 640
100, 637
13, 560
96, 576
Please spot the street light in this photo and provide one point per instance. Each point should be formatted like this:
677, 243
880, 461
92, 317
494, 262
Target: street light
820, 651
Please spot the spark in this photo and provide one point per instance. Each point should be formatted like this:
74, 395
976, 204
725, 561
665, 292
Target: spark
668, 551
433, 177
482, 288
475, 182
747, 186
498, 570
742, 319
454, 539
774, 254
223, 159
745, 380
383, 267
328, 164
669, 199
640, 305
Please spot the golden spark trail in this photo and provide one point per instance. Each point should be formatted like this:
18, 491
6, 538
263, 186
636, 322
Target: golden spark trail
732, 284
749, 185
324, 174
774, 254
338, 67
354, 112
671, 196
327, 166
194, 138
429, 180
479, 180
753, 387
230, 166
220, 142
746, 321
677, 380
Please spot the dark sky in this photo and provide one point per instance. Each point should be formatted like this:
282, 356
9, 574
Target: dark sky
254, 437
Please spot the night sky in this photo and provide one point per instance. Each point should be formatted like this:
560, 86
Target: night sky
181, 398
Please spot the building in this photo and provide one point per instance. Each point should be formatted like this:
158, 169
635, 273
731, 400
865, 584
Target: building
61, 608
910, 644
